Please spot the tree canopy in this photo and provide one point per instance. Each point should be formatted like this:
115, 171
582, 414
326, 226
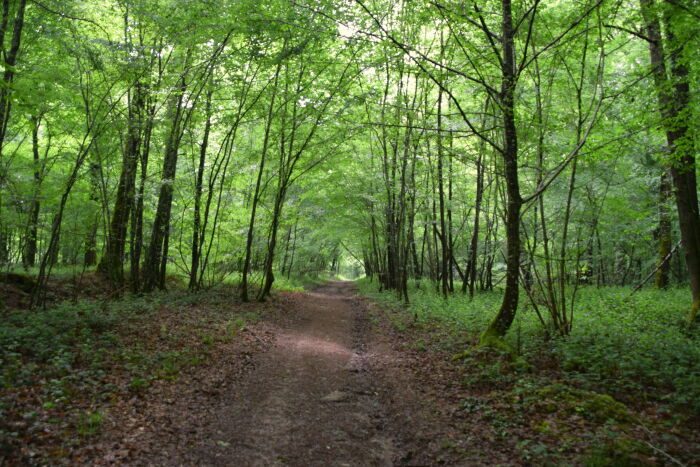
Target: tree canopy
532, 145
512, 182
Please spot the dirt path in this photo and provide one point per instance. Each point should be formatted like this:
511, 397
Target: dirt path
310, 400
327, 379
322, 388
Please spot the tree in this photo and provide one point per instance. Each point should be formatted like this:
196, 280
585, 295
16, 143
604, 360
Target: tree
671, 78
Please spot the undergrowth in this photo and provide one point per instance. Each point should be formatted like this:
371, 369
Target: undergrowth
60, 366
294, 283
622, 389
627, 345
299, 283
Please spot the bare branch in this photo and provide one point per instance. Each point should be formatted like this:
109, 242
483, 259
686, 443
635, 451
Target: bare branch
629, 31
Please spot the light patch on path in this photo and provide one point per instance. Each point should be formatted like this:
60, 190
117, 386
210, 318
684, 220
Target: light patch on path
310, 400
313, 384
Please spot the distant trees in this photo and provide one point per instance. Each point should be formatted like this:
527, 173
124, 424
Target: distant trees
517, 49
503, 144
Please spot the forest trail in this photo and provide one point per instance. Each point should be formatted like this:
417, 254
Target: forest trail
317, 383
311, 399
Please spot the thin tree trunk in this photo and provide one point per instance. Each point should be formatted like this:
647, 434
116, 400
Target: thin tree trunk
285, 258
50, 255
294, 245
196, 227
444, 247
137, 212
664, 231
90, 258
470, 273
256, 194
503, 320
31, 247
272, 244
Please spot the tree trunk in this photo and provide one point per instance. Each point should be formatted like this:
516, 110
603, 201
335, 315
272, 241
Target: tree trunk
294, 245
90, 258
31, 247
256, 194
445, 261
664, 231
196, 227
157, 250
113, 262
470, 273
503, 320
137, 211
272, 244
10, 60
674, 102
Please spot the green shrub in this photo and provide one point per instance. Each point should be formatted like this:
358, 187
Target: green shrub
89, 423
46, 335
619, 342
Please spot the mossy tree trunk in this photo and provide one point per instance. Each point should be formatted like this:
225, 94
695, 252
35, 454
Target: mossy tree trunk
671, 78
664, 231
506, 314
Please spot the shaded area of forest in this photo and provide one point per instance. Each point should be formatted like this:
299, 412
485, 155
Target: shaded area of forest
70, 371
522, 170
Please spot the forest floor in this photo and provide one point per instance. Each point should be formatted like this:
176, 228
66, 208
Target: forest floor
318, 382
323, 378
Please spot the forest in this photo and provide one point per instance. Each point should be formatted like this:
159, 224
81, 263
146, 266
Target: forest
508, 187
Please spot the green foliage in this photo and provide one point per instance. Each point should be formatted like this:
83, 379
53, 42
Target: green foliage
333, 110
89, 423
300, 283
49, 336
619, 450
138, 384
427, 306
620, 343
634, 343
